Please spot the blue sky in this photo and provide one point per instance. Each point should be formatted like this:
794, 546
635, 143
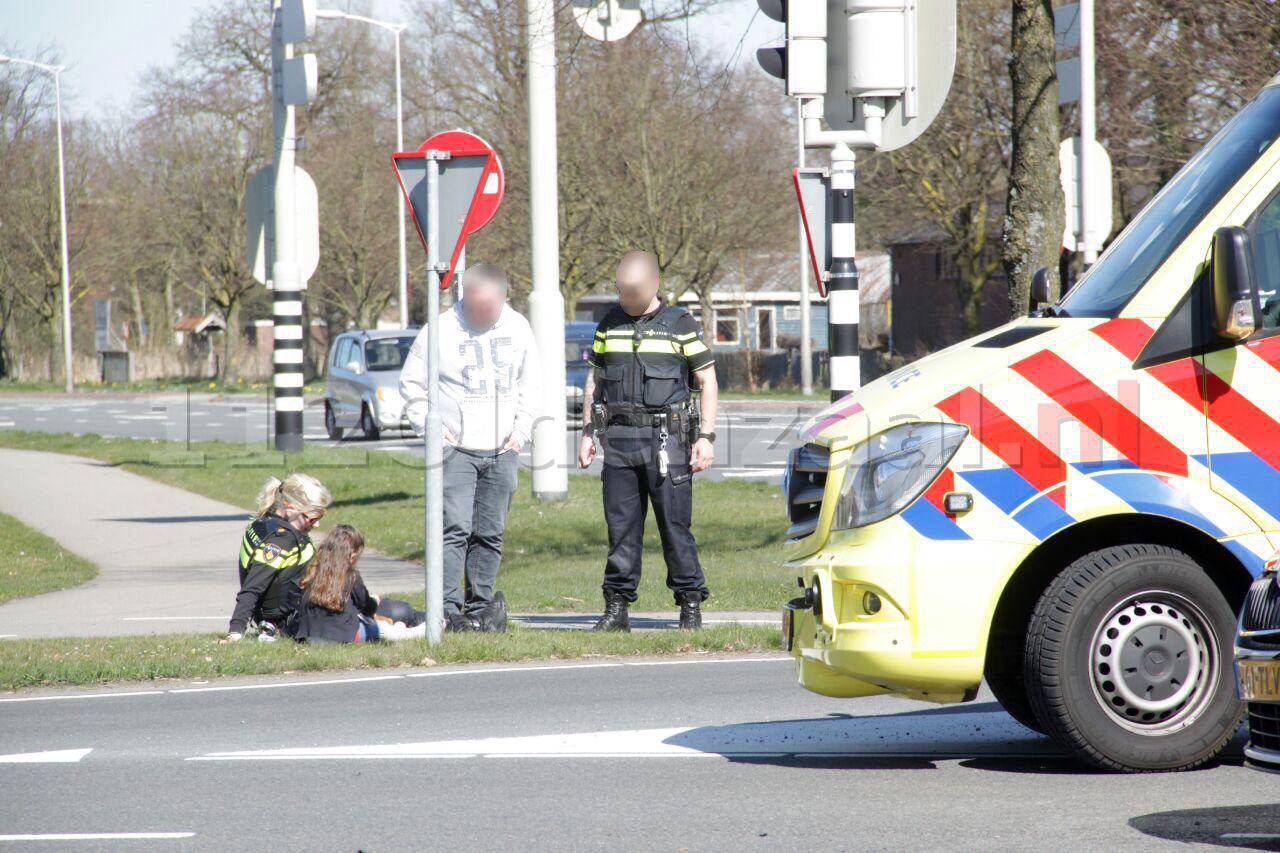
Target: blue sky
108, 44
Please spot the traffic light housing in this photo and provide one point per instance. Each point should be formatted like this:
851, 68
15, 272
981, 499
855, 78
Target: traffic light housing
802, 60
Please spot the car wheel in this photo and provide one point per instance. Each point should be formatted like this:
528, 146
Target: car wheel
1128, 660
331, 423
368, 425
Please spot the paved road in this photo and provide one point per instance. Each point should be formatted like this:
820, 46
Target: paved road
752, 438
695, 754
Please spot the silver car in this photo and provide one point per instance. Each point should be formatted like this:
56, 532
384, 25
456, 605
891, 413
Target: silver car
362, 382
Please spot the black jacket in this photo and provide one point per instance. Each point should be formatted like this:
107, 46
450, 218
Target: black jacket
319, 623
273, 558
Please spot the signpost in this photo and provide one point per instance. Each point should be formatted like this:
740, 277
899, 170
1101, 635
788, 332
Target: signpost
259, 218
453, 184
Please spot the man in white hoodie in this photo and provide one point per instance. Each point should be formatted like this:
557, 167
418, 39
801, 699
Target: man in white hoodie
489, 399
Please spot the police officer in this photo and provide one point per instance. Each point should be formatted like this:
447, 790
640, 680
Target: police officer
274, 554
646, 357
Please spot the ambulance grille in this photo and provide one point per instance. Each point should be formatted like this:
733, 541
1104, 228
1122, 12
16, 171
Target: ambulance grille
805, 483
1264, 726
1261, 610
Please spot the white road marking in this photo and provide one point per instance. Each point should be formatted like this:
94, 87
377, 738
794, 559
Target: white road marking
284, 684
6, 423
753, 472
142, 417
7, 636
98, 836
82, 696
170, 618
41, 420
54, 756
960, 735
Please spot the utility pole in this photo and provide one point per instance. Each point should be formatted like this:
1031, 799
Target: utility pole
842, 279
1088, 128
806, 330
68, 368
546, 303
293, 82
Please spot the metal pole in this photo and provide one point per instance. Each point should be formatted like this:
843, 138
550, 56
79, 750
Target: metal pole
1087, 128
286, 356
66, 265
842, 283
806, 331
404, 270
546, 304
433, 437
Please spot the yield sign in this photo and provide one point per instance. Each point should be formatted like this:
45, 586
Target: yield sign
813, 190
470, 189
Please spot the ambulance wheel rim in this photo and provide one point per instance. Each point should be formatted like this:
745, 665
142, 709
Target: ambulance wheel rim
1154, 662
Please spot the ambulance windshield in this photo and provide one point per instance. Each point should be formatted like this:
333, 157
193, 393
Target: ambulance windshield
1165, 222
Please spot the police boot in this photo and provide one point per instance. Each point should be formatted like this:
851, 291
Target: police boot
615, 616
690, 610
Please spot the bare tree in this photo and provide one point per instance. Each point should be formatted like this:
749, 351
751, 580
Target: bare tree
1035, 212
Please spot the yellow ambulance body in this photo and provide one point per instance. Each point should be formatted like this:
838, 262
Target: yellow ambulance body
1074, 504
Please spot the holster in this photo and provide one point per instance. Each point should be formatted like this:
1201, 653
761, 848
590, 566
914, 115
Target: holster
599, 418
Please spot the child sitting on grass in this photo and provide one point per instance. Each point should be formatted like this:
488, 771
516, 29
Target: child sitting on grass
336, 607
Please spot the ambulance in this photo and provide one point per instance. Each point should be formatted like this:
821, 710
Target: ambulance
1074, 505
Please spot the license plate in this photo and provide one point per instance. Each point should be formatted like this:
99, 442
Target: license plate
1259, 680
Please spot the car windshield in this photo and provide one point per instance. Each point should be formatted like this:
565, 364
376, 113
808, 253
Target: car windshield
1165, 222
576, 352
387, 353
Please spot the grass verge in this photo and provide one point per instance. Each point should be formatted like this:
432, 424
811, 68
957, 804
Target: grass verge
32, 563
553, 556
80, 661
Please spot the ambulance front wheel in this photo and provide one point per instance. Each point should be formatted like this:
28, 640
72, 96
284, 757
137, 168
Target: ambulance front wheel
1128, 660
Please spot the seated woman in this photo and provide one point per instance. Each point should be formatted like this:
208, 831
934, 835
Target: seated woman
275, 552
336, 607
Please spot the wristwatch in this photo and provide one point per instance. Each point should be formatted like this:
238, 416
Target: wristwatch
709, 436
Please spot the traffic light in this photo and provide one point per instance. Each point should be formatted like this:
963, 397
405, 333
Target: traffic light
802, 61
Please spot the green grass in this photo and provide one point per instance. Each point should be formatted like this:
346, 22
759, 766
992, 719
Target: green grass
819, 394
553, 555
32, 563
36, 663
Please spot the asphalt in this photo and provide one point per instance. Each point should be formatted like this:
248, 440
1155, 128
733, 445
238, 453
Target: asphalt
167, 557
753, 437
618, 754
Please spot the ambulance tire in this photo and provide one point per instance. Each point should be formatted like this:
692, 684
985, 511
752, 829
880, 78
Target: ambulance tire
1011, 692
1172, 706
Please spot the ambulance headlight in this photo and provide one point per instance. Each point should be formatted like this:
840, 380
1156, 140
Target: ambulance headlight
888, 471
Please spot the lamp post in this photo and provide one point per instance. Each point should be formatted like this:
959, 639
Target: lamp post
57, 70
395, 29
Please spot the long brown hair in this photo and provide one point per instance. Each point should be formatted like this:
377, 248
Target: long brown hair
332, 571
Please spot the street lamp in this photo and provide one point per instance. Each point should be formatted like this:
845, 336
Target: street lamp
396, 29
56, 70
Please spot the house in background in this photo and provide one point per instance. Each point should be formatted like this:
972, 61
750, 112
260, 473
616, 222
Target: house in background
926, 311
761, 311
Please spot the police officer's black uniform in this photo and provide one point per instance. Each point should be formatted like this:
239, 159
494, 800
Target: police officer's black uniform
273, 559
643, 415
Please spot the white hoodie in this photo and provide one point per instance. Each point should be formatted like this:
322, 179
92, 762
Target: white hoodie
488, 380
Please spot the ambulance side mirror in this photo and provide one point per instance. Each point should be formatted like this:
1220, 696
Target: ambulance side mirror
1039, 289
1235, 290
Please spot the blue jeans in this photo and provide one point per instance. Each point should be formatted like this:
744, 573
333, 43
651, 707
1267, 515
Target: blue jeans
478, 489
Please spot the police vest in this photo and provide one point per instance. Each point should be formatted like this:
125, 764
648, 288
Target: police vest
642, 360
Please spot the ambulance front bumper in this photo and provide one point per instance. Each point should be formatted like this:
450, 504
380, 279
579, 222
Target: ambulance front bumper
883, 610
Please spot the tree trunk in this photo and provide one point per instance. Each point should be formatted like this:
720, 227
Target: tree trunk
1034, 222
708, 318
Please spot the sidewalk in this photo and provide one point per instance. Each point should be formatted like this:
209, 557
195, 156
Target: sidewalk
167, 557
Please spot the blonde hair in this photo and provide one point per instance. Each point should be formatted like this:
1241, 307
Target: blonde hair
300, 491
332, 572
